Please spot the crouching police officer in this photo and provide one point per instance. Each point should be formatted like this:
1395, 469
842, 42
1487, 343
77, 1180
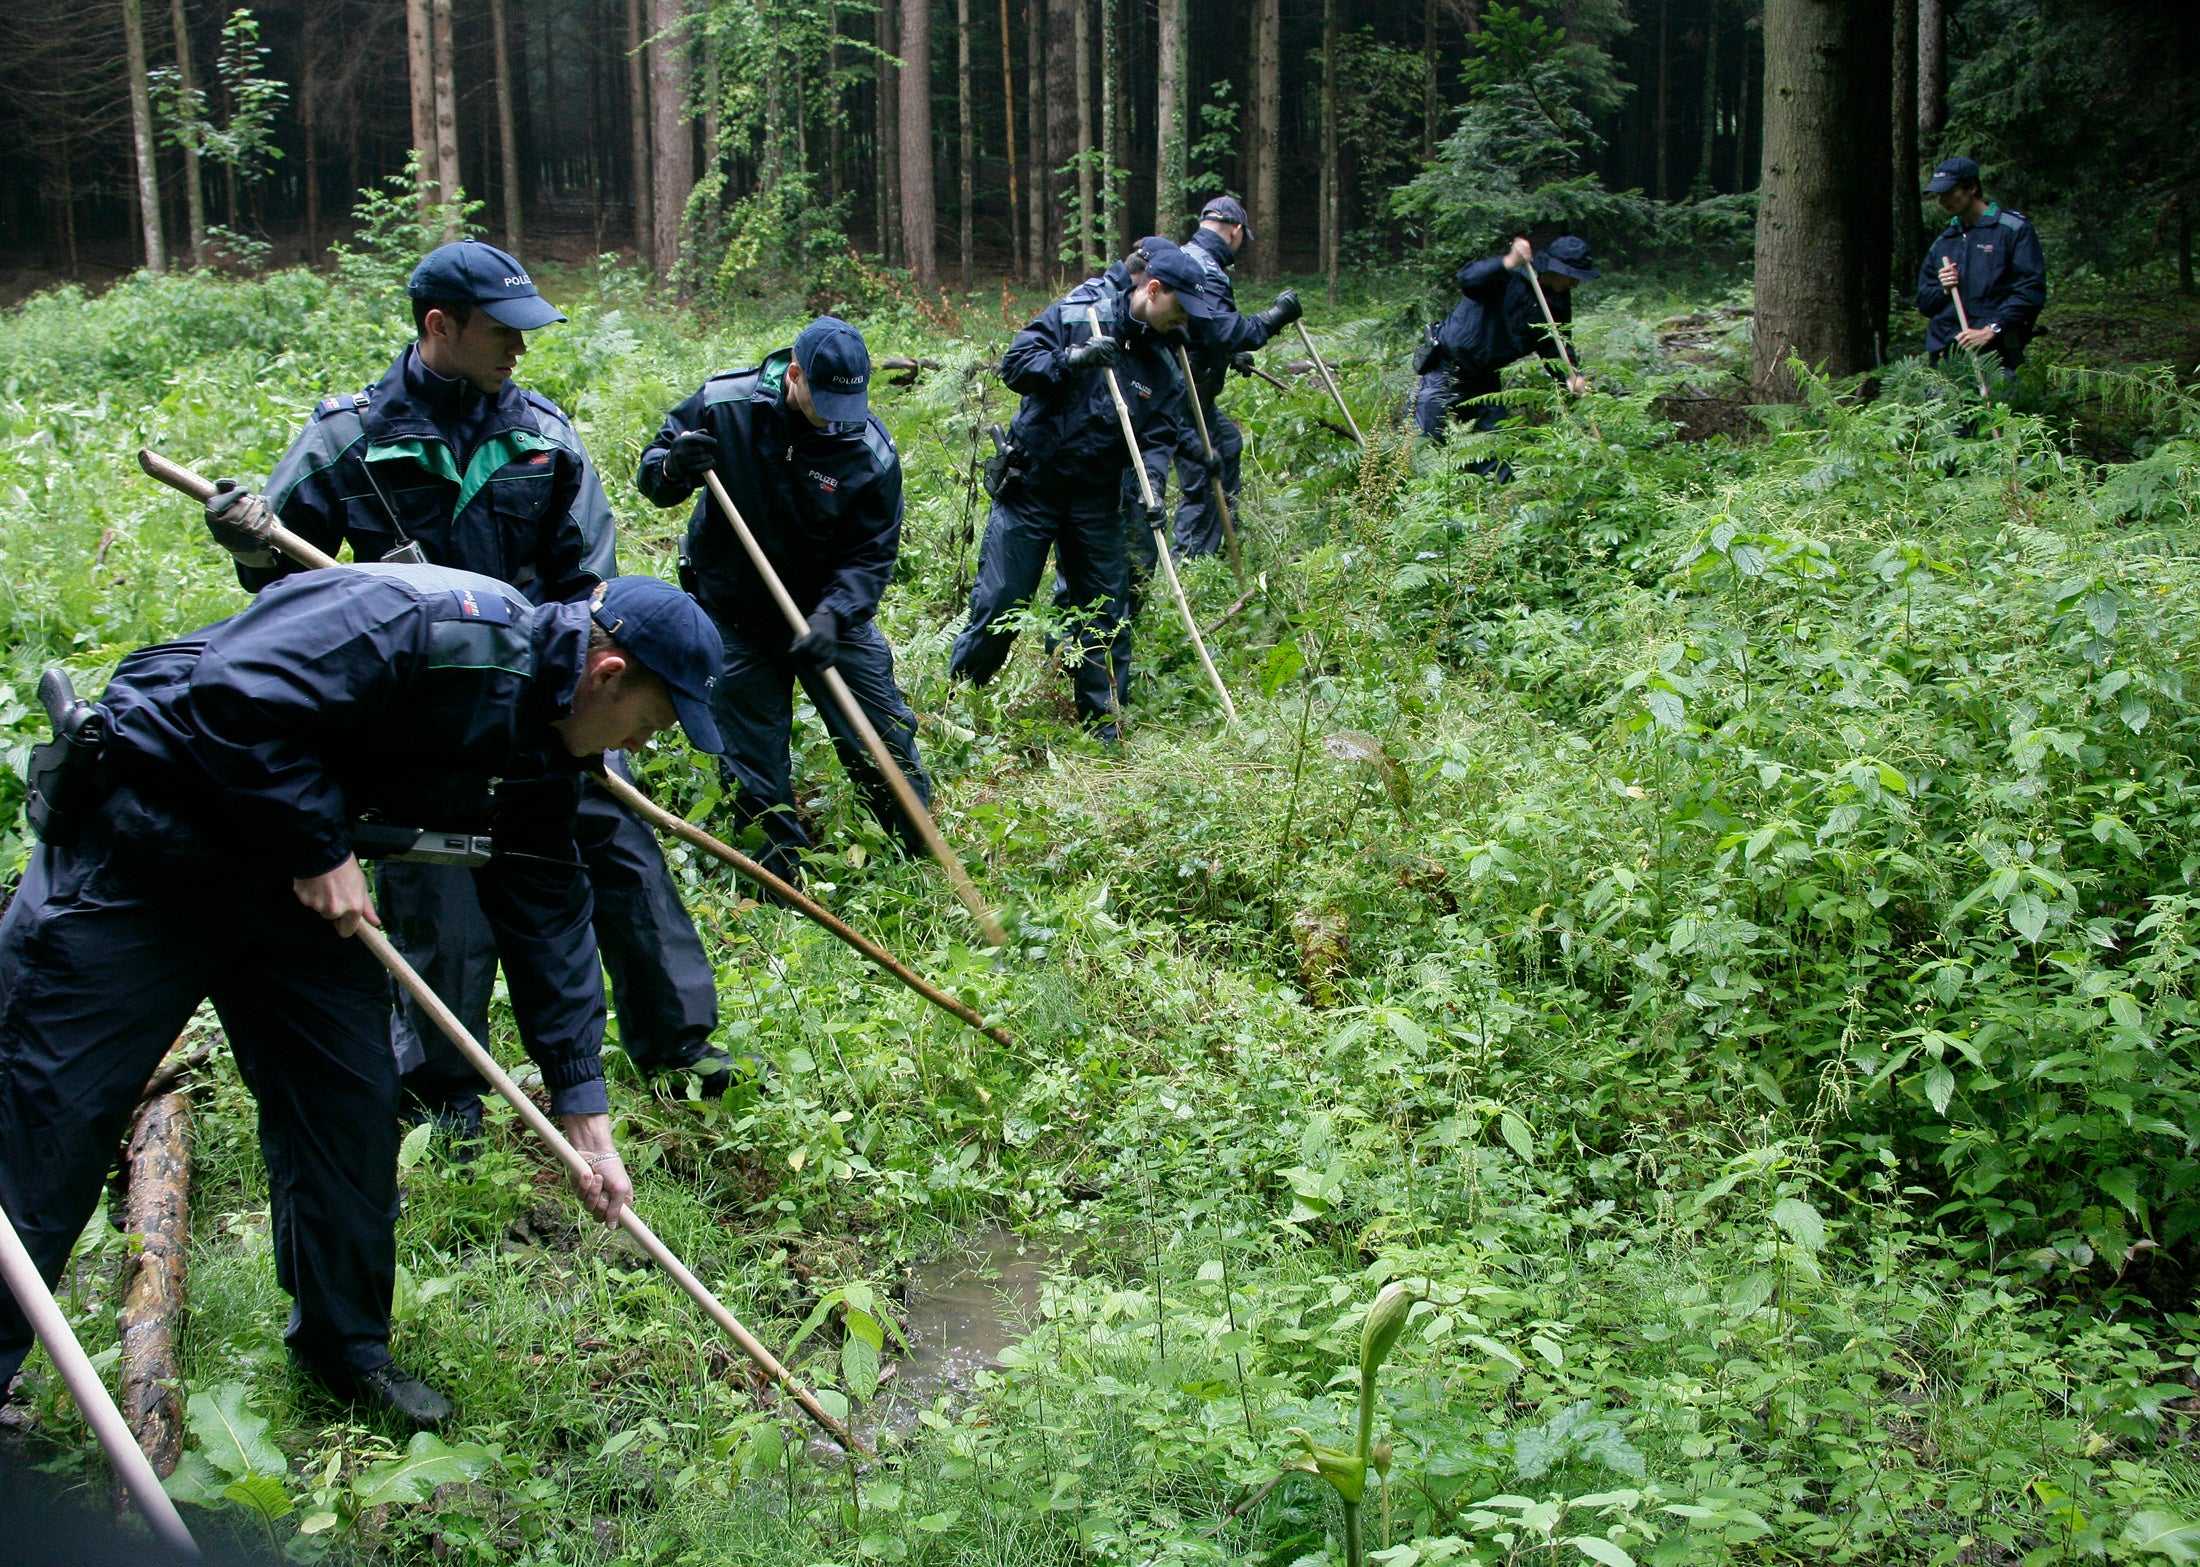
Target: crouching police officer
818, 481
210, 851
447, 461
1057, 480
1993, 256
1497, 321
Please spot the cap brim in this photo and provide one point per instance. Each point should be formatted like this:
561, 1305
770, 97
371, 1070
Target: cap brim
695, 718
1198, 306
1566, 269
841, 407
522, 315
1940, 184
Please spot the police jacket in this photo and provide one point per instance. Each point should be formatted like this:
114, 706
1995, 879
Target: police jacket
1498, 320
825, 504
417, 694
1067, 422
1999, 267
496, 485
1216, 341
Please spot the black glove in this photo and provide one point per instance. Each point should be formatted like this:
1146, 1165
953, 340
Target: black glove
692, 454
815, 648
1156, 515
1280, 314
1243, 362
1097, 353
241, 523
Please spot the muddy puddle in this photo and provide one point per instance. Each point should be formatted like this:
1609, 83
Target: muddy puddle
961, 1310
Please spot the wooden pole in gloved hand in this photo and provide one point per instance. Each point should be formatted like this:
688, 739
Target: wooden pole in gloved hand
1330, 381
177, 477
44, 1313
1214, 467
1963, 321
887, 763
577, 1164
1565, 354
1160, 539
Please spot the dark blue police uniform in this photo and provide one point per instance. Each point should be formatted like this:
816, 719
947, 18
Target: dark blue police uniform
2003, 274
1065, 493
498, 485
237, 759
1215, 342
825, 505
1496, 322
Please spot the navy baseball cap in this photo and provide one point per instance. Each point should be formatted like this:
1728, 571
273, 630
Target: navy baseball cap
674, 640
1949, 173
483, 275
1228, 209
1568, 257
838, 366
1166, 260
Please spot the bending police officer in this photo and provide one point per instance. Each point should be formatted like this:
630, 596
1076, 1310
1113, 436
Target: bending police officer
1496, 322
1993, 255
818, 481
446, 460
209, 854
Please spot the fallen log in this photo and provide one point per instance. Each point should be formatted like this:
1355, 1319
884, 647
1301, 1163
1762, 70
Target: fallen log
157, 1213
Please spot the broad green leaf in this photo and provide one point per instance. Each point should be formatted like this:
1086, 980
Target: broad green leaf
1517, 1136
939, 1523
859, 1323
767, 1448
427, 1463
2123, 1185
415, 1146
1940, 1087
233, 1438
883, 1545
859, 1366
1800, 1222
2163, 1534
263, 1494
2028, 914
1599, 1549
1283, 661
195, 1481
1549, 1350
618, 1442
1497, 1351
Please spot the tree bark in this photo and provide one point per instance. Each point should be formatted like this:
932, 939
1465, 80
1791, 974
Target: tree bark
1749, 99
1932, 76
446, 114
1112, 242
1429, 97
309, 121
1708, 143
194, 184
889, 136
967, 143
672, 175
918, 233
1332, 196
1267, 129
141, 135
1664, 135
157, 1211
1081, 55
420, 73
1170, 127
1905, 225
637, 107
1016, 235
1822, 217
507, 136
1035, 122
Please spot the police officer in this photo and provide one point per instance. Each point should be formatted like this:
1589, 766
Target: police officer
446, 460
1058, 483
1993, 255
1224, 341
209, 854
1496, 321
818, 481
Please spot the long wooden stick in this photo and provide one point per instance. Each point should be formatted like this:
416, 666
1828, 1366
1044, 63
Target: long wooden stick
1214, 467
90, 1393
1565, 354
687, 832
177, 477
1330, 381
1160, 539
858, 720
1963, 320
576, 1163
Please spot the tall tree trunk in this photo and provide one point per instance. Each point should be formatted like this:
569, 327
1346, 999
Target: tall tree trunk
1708, 139
1663, 138
507, 136
141, 136
889, 136
637, 107
420, 74
1016, 235
834, 149
194, 184
1932, 76
309, 118
446, 114
1822, 241
1081, 57
1429, 95
1906, 227
1111, 132
672, 145
1063, 29
1332, 196
1170, 120
1267, 130
967, 128
919, 235
1036, 248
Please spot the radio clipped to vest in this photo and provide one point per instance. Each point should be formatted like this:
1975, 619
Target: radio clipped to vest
1007, 467
63, 783
371, 840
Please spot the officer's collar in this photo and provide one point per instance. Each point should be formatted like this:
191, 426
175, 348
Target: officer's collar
1214, 244
405, 402
561, 657
772, 378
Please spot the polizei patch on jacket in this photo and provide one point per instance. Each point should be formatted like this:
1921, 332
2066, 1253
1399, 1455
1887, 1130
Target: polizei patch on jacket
1141, 388
825, 481
490, 609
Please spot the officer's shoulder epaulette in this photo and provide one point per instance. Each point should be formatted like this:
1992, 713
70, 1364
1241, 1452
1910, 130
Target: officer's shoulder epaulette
732, 386
2010, 219
550, 420
879, 444
341, 403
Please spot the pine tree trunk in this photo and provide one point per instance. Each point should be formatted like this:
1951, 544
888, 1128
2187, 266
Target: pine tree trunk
835, 146
918, 231
1111, 123
1170, 120
420, 74
1332, 196
1932, 77
194, 184
967, 129
507, 136
1708, 142
1267, 129
1664, 134
141, 136
1749, 98
672, 145
309, 119
157, 1215
1429, 98
889, 137
446, 115
1822, 217
1016, 235
1088, 233
637, 110
1037, 252
1906, 226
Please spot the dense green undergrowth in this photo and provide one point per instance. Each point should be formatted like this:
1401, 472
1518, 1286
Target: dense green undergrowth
1716, 915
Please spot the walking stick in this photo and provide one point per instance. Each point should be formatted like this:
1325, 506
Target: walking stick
858, 720
1160, 539
91, 1395
1565, 355
1963, 320
1214, 467
181, 478
1330, 381
577, 1163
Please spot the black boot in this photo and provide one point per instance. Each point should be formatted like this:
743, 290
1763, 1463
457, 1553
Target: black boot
389, 1390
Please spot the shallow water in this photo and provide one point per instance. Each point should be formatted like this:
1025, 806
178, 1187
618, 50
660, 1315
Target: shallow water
963, 1308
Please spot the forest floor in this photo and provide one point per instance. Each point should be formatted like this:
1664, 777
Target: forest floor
1712, 913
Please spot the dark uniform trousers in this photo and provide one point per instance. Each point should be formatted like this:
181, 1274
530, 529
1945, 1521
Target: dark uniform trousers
1198, 522
753, 704
1084, 527
662, 985
107, 948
